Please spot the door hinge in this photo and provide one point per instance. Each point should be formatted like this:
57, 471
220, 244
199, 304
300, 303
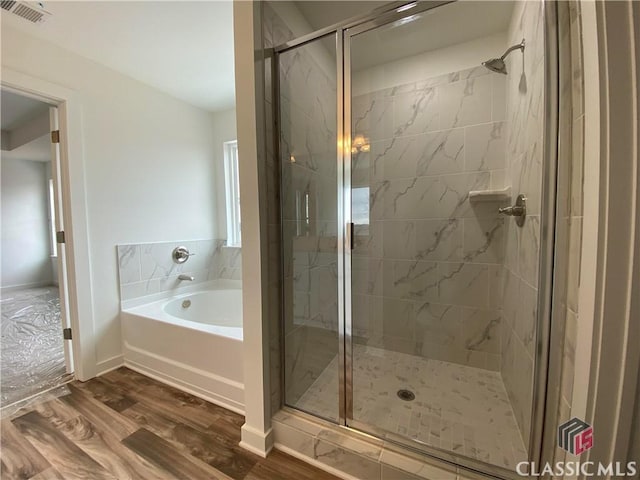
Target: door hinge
55, 136
60, 237
66, 333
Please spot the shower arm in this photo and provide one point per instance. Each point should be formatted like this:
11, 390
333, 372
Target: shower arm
519, 46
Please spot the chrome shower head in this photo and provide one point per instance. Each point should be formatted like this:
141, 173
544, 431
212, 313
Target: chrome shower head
497, 64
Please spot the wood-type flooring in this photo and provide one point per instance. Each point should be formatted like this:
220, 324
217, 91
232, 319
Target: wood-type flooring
124, 425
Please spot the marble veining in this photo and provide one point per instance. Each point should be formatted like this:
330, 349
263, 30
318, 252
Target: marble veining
426, 248
457, 408
524, 139
147, 269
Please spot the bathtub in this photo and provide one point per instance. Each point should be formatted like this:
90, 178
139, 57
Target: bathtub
192, 341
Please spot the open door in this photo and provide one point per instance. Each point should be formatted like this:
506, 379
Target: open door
60, 254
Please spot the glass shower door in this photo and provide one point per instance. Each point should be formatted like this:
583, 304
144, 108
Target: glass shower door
309, 200
431, 343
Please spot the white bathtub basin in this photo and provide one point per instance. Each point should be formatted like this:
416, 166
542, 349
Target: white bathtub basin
192, 341
217, 310
213, 307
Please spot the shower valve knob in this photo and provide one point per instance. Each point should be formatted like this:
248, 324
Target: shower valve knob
519, 210
181, 254
513, 211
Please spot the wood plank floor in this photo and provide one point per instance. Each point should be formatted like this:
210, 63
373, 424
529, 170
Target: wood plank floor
124, 425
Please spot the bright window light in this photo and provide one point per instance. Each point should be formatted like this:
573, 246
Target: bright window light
232, 189
360, 205
52, 219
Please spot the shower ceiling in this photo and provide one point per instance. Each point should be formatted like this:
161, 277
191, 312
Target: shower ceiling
322, 13
472, 20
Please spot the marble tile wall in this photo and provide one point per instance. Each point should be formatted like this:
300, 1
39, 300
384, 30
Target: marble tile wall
570, 197
427, 263
148, 268
524, 137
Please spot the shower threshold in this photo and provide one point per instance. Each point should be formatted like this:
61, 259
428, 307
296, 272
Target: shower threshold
464, 410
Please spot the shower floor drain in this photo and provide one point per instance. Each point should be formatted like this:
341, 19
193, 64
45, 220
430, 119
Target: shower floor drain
406, 395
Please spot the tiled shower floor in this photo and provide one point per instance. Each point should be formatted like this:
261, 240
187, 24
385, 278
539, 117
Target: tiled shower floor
460, 409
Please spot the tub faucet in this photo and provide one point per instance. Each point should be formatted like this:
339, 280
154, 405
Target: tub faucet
182, 276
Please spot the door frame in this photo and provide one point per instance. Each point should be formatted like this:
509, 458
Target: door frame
72, 191
58, 221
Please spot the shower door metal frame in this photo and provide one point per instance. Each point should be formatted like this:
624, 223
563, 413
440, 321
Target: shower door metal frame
543, 370
340, 223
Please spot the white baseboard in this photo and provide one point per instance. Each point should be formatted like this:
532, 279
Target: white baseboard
15, 288
188, 380
109, 364
256, 441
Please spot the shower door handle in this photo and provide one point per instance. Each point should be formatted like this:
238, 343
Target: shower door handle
350, 235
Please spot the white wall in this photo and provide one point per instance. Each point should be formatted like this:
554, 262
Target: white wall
25, 247
148, 166
224, 130
256, 431
427, 65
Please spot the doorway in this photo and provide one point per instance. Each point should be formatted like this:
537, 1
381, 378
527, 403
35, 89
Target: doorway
35, 345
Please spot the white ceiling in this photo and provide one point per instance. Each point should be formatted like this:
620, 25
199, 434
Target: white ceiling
184, 48
16, 110
38, 150
322, 13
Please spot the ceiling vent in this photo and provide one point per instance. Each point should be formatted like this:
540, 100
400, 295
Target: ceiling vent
32, 12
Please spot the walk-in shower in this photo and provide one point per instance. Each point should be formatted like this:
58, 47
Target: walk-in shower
410, 303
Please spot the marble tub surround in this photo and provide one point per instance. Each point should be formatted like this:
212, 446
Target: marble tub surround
427, 264
148, 268
524, 133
